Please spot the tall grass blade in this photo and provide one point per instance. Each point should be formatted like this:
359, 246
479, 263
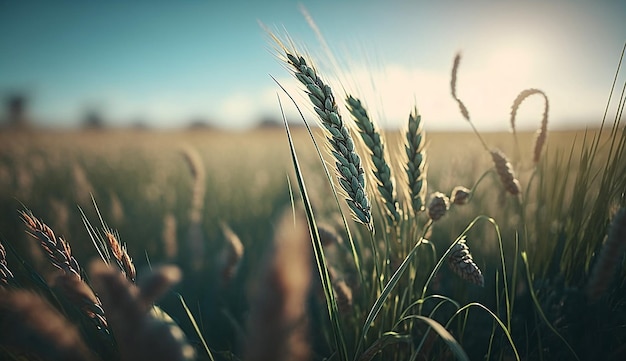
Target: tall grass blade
318, 250
195, 326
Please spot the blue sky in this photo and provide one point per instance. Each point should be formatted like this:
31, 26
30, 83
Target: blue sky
166, 63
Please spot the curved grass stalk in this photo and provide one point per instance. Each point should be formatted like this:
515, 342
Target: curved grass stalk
423, 300
393, 281
452, 343
385, 340
505, 329
445, 255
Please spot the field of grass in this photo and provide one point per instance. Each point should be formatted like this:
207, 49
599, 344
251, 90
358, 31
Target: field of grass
144, 184
338, 242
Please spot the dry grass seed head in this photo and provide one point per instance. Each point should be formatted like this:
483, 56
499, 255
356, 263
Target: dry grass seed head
277, 324
461, 262
542, 132
56, 248
505, 172
460, 195
438, 206
170, 240
231, 254
455, 69
198, 172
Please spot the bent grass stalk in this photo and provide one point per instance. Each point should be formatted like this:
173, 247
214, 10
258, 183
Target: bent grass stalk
542, 132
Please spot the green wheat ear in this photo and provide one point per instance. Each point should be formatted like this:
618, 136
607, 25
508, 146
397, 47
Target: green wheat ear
372, 139
348, 163
416, 161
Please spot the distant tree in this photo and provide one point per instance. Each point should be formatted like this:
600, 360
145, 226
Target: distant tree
268, 123
200, 123
16, 111
93, 119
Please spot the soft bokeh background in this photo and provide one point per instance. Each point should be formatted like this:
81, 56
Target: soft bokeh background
170, 64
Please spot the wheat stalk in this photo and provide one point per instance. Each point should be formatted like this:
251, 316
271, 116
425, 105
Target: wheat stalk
416, 164
109, 245
59, 253
56, 248
372, 139
462, 107
455, 69
120, 253
348, 163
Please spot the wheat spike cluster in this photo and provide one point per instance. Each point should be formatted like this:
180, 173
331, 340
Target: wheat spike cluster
373, 141
416, 161
348, 163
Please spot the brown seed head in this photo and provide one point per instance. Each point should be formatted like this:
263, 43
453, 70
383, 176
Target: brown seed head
438, 206
505, 172
116, 248
460, 195
461, 262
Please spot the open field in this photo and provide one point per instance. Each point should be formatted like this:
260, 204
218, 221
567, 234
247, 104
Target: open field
157, 189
